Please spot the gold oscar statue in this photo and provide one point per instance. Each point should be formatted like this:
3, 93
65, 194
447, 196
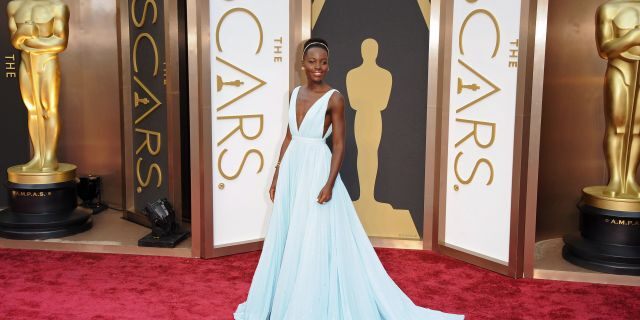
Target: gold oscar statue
40, 29
609, 236
369, 89
618, 40
43, 201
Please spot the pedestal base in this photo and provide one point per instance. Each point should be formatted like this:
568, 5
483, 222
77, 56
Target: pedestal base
21, 226
42, 210
168, 241
601, 257
609, 240
382, 220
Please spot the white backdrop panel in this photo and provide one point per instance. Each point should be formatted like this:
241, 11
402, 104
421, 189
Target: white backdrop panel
481, 126
249, 46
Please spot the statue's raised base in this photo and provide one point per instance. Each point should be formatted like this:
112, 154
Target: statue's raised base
382, 220
43, 205
609, 238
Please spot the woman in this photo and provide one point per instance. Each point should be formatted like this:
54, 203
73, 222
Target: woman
317, 262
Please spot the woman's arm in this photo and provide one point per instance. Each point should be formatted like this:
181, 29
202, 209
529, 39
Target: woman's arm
283, 149
336, 112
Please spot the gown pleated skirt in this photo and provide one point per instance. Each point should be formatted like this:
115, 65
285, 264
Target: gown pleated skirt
317, 261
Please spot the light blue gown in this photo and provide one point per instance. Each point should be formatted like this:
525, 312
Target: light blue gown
317, 262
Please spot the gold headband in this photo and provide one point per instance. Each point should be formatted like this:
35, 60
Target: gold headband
312, 43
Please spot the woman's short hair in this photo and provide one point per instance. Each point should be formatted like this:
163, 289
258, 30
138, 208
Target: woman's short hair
315, 43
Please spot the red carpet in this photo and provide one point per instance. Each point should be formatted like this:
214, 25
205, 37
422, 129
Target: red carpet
62, 285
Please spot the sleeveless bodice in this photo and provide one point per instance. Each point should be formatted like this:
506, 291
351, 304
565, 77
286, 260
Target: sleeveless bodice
312, 125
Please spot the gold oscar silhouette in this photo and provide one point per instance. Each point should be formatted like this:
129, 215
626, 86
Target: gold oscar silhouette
221, 83
425, 9
316, 8
369, 89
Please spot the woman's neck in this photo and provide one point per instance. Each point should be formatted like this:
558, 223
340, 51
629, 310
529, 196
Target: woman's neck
316, 86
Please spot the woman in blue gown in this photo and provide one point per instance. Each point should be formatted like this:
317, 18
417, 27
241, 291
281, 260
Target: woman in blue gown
317, 262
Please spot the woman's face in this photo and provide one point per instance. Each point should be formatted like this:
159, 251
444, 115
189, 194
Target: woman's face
316, 64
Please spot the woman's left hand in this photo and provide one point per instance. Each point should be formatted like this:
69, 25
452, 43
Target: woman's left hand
325, 194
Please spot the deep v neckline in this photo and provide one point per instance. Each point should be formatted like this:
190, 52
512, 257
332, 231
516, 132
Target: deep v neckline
304, 117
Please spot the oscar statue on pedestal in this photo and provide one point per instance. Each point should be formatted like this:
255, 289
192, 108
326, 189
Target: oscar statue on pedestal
42, 192
610, 215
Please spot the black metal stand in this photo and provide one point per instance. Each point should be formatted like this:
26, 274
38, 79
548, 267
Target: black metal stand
94, 208
165, 241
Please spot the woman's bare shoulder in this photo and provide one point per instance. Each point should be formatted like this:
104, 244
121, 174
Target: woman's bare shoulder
336, 100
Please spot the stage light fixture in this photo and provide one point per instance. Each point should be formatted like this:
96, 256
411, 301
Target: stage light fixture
162, 216
165, 231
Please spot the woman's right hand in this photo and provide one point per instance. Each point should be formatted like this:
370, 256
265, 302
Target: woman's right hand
272, 190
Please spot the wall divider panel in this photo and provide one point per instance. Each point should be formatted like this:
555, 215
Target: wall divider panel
483, 108
150, 68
